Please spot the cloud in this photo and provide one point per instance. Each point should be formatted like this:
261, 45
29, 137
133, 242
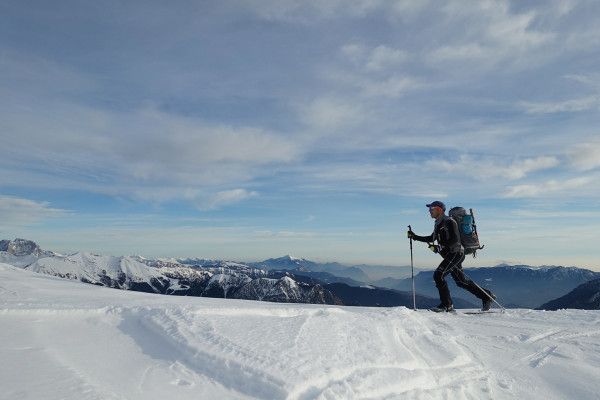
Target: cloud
331, 113
496, 34
550, 188
226, 197
17, 212
309, 11
590, 82
586, 156
381, 57
147, 153
575, 105
284, 234
491, 168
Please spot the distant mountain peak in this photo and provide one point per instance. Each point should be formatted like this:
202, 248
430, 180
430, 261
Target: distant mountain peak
288, 258
22, 247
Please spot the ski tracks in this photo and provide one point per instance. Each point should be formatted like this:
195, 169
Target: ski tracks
526, 342
352, 352
196, 351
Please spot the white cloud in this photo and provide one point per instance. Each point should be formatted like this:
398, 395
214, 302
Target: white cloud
309, 11
17, 212
469, 51
552, 187
575, 105
331, 113
284, 234
585, 156
224, 198
487, 169
490, 33
589, 83
380, 58
148, 153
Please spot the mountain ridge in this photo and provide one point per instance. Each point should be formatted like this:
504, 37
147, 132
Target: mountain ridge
517, 286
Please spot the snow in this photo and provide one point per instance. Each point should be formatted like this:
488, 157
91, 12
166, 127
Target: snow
63, 339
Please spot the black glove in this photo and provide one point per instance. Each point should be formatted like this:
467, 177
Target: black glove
410, 234
434, 248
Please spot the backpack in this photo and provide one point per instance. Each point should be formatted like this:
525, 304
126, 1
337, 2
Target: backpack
467, 229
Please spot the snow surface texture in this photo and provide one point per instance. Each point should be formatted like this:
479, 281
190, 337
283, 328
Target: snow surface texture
63, 339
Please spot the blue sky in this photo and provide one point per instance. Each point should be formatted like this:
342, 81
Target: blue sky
246, 130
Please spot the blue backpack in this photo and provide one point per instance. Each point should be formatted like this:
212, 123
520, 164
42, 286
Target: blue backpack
467, 229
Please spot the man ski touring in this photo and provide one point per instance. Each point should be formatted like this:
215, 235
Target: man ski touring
445, 233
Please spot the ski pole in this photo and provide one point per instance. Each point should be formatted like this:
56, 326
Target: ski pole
502, 309
412, 273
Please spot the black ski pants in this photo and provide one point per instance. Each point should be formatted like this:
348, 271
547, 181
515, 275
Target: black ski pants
452, 264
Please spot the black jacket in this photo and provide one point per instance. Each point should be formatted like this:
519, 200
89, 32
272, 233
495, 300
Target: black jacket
445, 232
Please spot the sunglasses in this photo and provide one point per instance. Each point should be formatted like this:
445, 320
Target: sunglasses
433, 208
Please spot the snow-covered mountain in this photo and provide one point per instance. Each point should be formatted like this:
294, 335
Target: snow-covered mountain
21, 252
167, 276
114, 272
291, 263
229, 280
66, 340
23, 247
285, 262
515, 286
585, 296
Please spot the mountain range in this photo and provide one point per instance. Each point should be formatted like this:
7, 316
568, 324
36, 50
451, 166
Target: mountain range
585, 296
517, 286
293, 280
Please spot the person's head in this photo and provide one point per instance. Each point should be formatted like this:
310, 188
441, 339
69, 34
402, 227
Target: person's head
436, 209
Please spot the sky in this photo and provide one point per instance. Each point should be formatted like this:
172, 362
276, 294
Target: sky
245, 130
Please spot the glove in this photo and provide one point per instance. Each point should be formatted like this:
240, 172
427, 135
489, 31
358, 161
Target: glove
410, 234
433, 248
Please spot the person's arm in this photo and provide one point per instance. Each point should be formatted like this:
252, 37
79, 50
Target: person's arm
427, 239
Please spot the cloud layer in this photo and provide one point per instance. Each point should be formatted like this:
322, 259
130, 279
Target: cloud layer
270, 111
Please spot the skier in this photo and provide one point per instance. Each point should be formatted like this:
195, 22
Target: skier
446, 234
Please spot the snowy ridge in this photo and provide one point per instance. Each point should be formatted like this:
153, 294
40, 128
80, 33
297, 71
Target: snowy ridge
23, 247
116, 272
520, 286
22, 252
223, 279
82, 341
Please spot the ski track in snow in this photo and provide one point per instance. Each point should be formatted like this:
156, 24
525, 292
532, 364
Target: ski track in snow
67, 340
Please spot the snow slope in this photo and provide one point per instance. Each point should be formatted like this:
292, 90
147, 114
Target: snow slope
62, 339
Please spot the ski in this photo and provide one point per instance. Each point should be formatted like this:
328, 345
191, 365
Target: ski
440, 311
480, 312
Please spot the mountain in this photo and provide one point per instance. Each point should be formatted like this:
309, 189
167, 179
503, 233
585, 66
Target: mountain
325, 277
381, 272
21, 252
23, 247
222, 280
518, 286
585, 296
285, 290
370, 296
291, 263
208, 278
285, 262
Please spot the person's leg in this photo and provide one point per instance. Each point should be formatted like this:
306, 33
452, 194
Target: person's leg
465, 283
442, 286
450, 262
462, 281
